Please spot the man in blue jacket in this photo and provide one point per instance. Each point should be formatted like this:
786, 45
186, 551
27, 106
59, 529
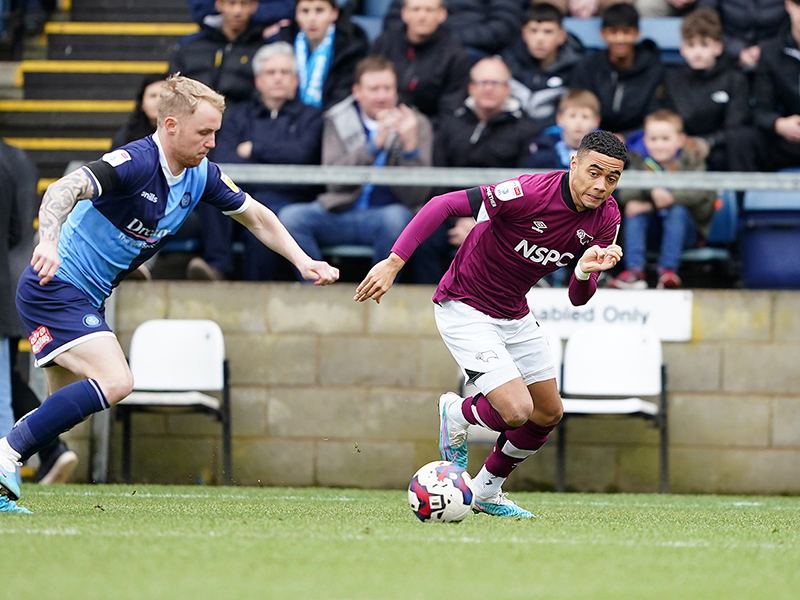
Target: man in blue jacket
274, 127
220, 56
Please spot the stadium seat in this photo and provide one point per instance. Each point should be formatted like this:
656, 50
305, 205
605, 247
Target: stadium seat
770, 239
605, 370
174, 361
372, 25
376, 8
722, 232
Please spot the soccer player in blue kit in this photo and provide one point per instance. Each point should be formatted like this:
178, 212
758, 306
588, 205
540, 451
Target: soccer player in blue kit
526, 228
99, 223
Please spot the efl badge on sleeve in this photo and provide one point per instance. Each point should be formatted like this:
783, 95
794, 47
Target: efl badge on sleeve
228, 181
508, 190
117, 157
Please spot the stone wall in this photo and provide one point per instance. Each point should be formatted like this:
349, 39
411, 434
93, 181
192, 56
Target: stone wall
330, 392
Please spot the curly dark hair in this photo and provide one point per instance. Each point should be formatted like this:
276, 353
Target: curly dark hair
603, 142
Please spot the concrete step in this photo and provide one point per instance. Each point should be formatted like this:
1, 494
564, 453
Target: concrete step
131, 10
63, 118
52, 155
84, 80
114, 41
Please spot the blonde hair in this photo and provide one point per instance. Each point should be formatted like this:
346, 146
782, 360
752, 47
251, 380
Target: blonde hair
181, 95
580, 99
665, 116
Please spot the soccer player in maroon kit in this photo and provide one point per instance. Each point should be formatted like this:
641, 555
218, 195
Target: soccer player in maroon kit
526, 228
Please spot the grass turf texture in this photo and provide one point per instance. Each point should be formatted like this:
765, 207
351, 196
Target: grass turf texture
86, 542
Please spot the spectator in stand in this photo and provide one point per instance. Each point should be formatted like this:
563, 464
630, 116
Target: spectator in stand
776, 143
488, 131
483, 26
269, 14
541, 63
710, 92
367, 128
142, 121
578, 114
275, 127
746, 24
220, 56
679, 214
432, 66
626, 76
327, 46
582, 9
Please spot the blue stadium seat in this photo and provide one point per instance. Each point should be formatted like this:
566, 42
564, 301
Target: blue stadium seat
376, 8
771, 200
725, 222
722, 233
372, 25
770, 239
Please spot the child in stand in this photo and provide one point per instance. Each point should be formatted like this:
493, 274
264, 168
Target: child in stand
578, 114
680, 214
625, 76
710, 92
328, 45
541, 61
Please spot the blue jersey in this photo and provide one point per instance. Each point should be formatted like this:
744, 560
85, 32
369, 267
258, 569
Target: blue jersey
136, 206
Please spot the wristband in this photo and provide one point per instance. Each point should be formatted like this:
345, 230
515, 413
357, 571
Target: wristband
579, 273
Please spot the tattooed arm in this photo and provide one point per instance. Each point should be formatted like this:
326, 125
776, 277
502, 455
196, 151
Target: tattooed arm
59, 200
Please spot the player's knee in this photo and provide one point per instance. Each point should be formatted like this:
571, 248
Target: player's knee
552, 416
517, 414
118, 387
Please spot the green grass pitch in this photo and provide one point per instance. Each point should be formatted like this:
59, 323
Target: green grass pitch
138, 541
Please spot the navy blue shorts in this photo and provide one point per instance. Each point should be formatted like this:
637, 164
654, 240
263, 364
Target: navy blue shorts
58, 316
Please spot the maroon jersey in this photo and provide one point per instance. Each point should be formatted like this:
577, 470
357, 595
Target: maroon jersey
527, 227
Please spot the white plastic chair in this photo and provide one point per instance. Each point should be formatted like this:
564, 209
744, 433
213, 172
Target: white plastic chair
174, 361
606, 371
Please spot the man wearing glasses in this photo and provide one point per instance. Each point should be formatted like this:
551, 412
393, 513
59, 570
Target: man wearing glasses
489, 130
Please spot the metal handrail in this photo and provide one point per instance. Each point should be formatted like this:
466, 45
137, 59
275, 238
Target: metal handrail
449, 177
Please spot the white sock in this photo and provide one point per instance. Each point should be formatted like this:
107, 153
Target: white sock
5, 448
455, 414
485, 485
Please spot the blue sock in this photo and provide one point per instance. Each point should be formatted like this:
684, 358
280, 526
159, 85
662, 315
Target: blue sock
60, 412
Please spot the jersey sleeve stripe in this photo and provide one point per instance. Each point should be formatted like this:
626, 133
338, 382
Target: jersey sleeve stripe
245, 205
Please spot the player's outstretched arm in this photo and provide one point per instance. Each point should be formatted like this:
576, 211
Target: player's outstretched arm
379, 279
58, 201
430, 216
263, 223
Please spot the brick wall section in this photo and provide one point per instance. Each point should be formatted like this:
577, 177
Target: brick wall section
330, 392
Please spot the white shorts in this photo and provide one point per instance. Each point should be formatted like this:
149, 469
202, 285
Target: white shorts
492, 351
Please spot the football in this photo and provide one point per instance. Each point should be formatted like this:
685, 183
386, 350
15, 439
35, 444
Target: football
441, 492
